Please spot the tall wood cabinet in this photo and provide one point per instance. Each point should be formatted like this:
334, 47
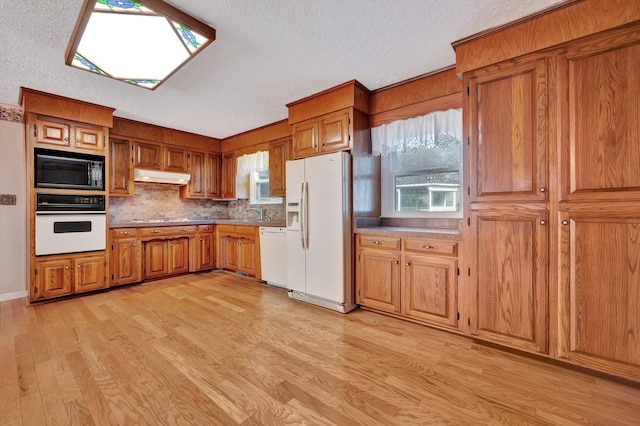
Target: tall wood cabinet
554, 205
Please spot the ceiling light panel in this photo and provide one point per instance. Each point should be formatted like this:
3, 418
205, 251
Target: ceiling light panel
142, 43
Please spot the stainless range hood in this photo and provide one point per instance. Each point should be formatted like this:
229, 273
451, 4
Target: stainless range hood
157, 176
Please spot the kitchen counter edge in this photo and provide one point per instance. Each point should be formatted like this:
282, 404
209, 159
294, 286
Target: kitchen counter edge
194, 222
397, 231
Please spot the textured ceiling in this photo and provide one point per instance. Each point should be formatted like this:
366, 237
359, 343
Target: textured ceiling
267, 53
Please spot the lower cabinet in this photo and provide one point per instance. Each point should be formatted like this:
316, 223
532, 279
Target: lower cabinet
205, 248
126, 256
239, 249
166, 257
410, 277
60, 276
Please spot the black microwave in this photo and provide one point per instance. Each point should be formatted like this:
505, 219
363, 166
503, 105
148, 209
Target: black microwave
66, 170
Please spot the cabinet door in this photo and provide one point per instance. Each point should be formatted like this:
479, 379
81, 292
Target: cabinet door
197, 185
120, 168
205, 252
213, 174
147, 155
334, 132
53, 279
305, 139
278, 155
508, 133
429, 289
228, 187
91, 138
89, 273
247, 255
378, 280
511, 281
178, 255
175, 160
126, 261
600, 290
156, 262
600, 151
52, 132
230, 253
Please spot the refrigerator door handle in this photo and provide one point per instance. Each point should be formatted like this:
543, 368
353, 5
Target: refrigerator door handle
305, 215
302, 215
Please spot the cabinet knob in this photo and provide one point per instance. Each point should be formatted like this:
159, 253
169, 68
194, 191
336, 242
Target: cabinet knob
66, 267
158, 164
66, 139
134, 244
565, 222
155, 231
184, 229
200, 239
395, 262
408, 263
166, 165
428, 247
543, 222
125, 233
170, 245
78, 266
542, 189
78, 141
126, 187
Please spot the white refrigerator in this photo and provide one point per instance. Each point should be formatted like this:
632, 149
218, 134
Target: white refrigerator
318, 214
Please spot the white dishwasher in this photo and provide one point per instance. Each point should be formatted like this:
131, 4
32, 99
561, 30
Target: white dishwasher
273, 255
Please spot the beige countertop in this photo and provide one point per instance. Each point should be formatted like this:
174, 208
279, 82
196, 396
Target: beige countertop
398, 231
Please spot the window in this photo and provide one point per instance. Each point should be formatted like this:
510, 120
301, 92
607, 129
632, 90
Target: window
421, 165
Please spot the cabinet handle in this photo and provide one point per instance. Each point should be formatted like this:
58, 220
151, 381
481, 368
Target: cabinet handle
408, 263
158, 164
78, 266
395, 262
428, 247
155, 231
125, 233
66, 139
200, 239
166, 165
78, 141
377, 242
66, 267
565, 222
184, 229
542, 189
543, 222
127, 187
134, 244
170, 244
322, 143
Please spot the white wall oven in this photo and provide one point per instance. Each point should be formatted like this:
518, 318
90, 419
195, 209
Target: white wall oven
68, 223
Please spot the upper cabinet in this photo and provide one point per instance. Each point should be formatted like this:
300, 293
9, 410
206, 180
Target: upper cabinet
330, 120
121, 170
508, 133
228, 176
599, 88
64, 133
160, 157
279, 153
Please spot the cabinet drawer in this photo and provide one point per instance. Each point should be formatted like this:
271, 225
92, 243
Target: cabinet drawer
124, 232
205, 228
246, 230
431, 246
167, 230
380, 242
226, 229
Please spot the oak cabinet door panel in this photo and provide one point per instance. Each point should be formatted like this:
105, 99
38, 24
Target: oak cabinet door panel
334, 132
508, 134
121, 170
511, 288
178, 255
305, 139
378, 281
156, 259
53, 279
126, 261
90, 273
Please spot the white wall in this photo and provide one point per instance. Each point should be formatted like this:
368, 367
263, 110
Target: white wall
13, 249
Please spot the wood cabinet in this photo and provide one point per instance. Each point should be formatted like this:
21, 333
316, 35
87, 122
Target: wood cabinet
205, 170
508, 133
409, 277
56, 276
167, 250
126, 258
510, 300
239, 248
156, 156
228, 176
156, 259
69, 134
600, 288
205, 248
279, 152
322, 135
120, 167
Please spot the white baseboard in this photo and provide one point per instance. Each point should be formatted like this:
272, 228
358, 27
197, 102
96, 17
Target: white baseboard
10, 296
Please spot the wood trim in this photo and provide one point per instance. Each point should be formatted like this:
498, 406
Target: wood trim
246, 140
351, 94
34, 101
563, 23
453, 100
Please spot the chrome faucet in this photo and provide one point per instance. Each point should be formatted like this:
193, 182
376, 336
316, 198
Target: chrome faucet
259, 210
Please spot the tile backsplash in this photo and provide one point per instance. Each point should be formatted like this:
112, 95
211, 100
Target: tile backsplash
155, 201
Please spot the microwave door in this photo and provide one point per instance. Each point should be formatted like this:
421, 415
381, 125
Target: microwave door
70, 173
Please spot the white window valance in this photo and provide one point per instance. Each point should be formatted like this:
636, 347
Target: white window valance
434, 130
252, 163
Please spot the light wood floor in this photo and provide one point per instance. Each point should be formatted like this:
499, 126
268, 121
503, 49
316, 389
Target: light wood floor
215, 348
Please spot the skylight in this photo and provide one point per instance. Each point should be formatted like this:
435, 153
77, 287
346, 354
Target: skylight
139, 42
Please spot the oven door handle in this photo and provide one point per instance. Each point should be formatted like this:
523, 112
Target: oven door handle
70, 212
